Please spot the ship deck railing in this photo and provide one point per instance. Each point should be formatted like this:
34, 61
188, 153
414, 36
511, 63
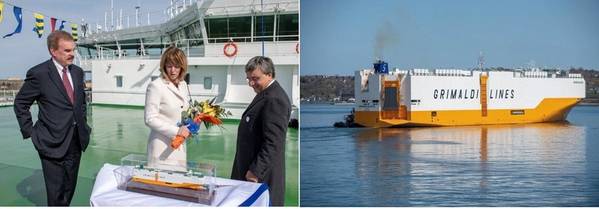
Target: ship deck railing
153, 50
469, 73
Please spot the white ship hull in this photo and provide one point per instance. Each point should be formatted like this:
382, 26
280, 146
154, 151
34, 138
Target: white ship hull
457, 97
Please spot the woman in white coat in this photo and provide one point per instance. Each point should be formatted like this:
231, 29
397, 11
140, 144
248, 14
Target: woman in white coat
166, 98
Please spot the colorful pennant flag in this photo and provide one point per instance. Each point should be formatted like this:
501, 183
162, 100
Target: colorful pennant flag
1, 10
19, 17
74, 31
53, 23
61, 25
39, 24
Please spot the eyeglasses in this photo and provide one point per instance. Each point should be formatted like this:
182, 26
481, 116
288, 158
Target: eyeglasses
255, 79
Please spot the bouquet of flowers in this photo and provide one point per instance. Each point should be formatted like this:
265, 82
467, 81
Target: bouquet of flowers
199, 112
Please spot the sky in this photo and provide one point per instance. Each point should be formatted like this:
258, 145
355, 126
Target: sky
24, 50
339, 37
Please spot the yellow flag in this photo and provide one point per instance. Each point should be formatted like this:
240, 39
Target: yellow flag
74, 31
39, 24
1, 10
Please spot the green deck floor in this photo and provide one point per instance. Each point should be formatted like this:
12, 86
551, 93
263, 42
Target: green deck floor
116, 133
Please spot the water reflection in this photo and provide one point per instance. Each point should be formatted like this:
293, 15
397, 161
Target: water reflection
484, 168
415, 166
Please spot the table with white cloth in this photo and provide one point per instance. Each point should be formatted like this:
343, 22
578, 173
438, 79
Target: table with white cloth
235, 193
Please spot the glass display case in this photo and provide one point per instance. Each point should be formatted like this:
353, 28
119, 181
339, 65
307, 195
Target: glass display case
194, 183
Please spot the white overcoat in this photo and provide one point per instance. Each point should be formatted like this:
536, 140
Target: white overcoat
164, 104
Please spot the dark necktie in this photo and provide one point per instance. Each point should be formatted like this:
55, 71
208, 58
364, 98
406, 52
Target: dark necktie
67, 84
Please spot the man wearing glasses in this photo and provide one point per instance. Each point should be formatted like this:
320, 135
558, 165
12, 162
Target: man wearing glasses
260, 155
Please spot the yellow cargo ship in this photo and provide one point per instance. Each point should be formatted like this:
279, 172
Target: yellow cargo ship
452, 97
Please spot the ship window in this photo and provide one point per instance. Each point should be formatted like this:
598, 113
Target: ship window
240, 27
517, 112
83, 51
92, 53
119, 81
287, 27
263, 33
217, 28
221, 29
434, 114
207, 82
193, 31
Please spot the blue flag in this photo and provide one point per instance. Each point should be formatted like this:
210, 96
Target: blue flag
19, 16
61, 25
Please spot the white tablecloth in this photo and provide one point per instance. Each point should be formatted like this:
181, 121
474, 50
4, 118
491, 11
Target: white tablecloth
105, 193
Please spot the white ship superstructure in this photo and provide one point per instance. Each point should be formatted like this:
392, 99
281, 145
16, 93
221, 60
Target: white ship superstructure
219, 37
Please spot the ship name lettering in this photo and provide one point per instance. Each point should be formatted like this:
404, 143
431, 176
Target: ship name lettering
472, 94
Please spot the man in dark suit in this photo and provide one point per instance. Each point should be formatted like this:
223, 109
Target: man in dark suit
260, 155
61, 132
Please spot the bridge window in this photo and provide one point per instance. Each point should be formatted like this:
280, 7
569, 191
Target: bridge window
240, 27
263, 28
288, 27
221, 29
217, 28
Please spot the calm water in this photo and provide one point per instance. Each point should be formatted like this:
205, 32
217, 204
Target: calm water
548, 164
116, 133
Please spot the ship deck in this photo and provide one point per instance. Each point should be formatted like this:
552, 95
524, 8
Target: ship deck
117, 132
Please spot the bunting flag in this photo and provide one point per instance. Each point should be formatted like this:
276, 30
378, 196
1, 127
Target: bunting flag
74, 31
39, 24
1, 10
19, 17
53, 23
61, 25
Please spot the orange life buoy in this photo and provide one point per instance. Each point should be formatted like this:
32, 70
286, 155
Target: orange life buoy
228, 52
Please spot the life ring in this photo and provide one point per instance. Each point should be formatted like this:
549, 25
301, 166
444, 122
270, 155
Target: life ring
297, 48
228, 52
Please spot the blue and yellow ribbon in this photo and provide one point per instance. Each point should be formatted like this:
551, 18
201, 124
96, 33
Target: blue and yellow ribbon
39, 24
1, 10
74, 31
19, 16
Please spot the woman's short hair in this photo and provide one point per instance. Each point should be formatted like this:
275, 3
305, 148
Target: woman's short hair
173, 56
263, 63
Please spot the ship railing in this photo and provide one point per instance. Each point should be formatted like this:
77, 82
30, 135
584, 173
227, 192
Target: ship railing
397, 71
254, 8
8, 95
419, 72
574, 75
273, 38
545, 74
153, 50
453, 72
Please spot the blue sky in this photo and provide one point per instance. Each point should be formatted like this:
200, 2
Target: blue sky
339, 37
25, 50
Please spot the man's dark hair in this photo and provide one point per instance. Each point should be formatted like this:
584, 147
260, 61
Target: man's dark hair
263, 63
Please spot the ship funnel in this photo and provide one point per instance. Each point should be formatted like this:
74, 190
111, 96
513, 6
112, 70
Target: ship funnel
381, 66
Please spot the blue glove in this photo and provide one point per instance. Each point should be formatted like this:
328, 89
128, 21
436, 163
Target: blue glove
192, 126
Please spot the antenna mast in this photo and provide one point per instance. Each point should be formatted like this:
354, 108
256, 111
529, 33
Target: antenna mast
481, 61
